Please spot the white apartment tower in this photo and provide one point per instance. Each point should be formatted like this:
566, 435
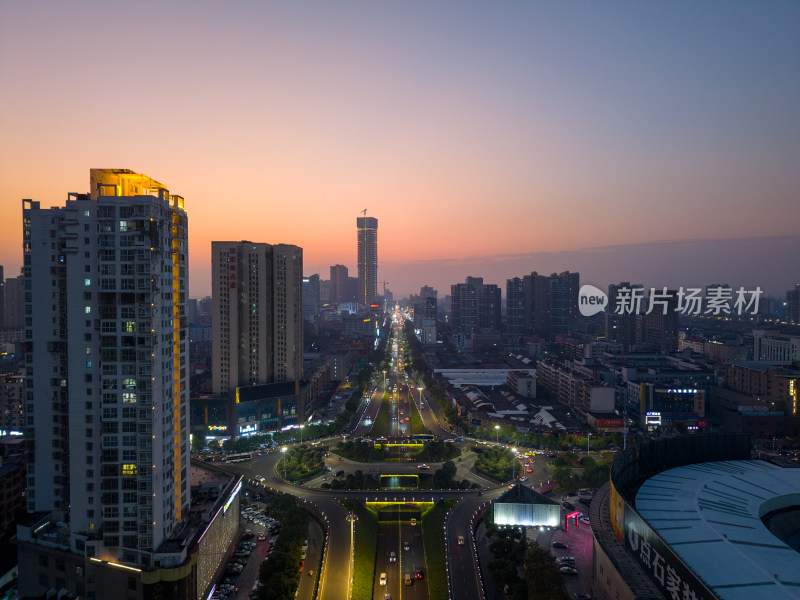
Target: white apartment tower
106, 362
257, 314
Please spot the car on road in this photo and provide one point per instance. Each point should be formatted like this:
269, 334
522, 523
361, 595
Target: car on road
413, 522
418, 574
585, 520
577, 596
423, 466
569, 570
565, 559
460, 540
392, 557
559, 545
406, 546
382, 580
407, 579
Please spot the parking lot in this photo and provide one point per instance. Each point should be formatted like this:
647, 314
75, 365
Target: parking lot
240, 576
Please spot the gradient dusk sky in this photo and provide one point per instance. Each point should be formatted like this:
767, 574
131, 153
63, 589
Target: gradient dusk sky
472, 130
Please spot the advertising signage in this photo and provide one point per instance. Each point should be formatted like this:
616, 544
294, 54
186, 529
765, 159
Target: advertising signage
674, 579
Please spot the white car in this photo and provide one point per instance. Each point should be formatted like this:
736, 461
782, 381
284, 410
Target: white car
392, 557
382, 579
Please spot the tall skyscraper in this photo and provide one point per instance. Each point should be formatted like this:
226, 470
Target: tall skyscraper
367, 229
257, 314
338, 291
106, 399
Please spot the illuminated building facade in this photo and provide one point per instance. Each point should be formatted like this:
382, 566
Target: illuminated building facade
106, 350
367, 229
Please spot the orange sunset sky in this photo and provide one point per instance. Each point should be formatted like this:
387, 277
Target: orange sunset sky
471, 130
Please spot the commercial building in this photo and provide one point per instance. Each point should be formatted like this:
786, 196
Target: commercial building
770, 345
258, 314
106, 397
367, 259
695, 517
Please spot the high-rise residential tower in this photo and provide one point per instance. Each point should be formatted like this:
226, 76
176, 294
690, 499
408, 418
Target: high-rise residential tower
339, 276
367, 229
257, 314
106, 363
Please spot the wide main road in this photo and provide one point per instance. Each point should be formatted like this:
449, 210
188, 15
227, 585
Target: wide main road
335, 581
405, 541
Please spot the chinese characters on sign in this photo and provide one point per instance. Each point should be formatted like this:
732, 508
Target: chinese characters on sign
719, 301
659, 562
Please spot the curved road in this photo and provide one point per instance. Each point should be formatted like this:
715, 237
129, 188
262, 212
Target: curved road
336, 575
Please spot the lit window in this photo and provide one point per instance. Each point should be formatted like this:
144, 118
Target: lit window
87, 282
129, 469
88, 309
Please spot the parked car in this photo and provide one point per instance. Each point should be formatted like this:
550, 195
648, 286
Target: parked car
569, 570
560, 545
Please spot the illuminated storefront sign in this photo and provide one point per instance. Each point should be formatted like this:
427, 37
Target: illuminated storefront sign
232, 497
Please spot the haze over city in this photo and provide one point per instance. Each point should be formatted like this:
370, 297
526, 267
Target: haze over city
489, 140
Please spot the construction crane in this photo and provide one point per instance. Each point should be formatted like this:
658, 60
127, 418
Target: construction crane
385, 283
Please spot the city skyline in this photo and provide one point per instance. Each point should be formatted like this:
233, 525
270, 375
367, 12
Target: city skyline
480, 136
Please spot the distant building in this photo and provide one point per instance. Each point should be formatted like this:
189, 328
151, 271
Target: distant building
621, 326
793, 305
770, 345
515, 308
475, 306
367, 258
338, 291
258, 314
14, 302
311, 293
12, 404
660, 326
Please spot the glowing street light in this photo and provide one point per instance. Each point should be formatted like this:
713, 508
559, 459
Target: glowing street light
513, 463
497, 434
283, 459
301, 433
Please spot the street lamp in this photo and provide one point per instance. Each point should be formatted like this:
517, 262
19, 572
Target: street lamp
301, 433
513, 463
283, 460
588, 441
497, 434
